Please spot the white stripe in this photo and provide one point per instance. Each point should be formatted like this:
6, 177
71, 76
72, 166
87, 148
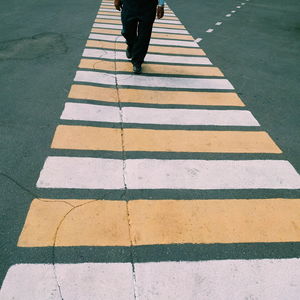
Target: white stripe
108, 17
168, 21
210, 174
117, 38
157, 58
153, 81
270, 279
76, 281
274, 279
188, 117
91, 112
81, 173
155, 29
99, 173
100, 113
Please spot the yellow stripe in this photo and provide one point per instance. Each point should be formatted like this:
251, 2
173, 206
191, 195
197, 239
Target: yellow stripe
95, 138
87, 138
98, 64
215, 221
154, 96
113, 21
156, 49
106, 31
105, 223
85, 222
154, 34
155, 25
100, 12
93, 93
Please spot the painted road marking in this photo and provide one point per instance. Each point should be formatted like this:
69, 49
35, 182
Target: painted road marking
156, 25
153, 68
140, 115
104, 15
111, 10
154, 96
211, 174
119, 27
152, 81
102, 173
106, 37
105, 223
240, 279
81, 173
157, 58
164, 20
160, 222
76, 281
109, 139
221, 279
170, 36
156, 49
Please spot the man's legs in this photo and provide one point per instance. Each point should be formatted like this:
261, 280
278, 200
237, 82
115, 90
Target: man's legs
141, 44
129, 30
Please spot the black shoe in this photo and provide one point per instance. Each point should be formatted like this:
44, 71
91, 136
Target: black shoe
129, 53
137, 69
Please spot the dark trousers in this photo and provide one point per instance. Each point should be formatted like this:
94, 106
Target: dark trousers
137, 18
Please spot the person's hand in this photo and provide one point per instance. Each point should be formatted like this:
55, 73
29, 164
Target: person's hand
160, 12
118, 4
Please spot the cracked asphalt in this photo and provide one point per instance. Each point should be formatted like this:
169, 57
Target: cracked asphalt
40, 47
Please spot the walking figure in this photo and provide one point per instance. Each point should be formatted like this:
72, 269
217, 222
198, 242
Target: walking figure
137, 19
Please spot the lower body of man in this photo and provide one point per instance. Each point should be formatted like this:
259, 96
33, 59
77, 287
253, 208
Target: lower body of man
137, 18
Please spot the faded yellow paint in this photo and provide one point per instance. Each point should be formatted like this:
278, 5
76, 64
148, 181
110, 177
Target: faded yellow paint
115, 13
155, 49
154, 34
87, 222
106, 45
214, 221
169, 25
172, 36
87, 138
198, 141
104, 21
42, 221
96, 138
98, 64
179, 97
105, 223
110, 21
106, 31
100, 12
154, 96
93, 93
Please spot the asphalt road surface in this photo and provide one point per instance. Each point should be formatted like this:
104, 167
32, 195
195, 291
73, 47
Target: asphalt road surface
182, 183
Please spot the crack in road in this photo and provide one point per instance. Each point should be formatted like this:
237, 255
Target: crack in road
123, 196
19, 184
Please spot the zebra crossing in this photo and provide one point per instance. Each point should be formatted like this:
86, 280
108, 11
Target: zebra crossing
152, 133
